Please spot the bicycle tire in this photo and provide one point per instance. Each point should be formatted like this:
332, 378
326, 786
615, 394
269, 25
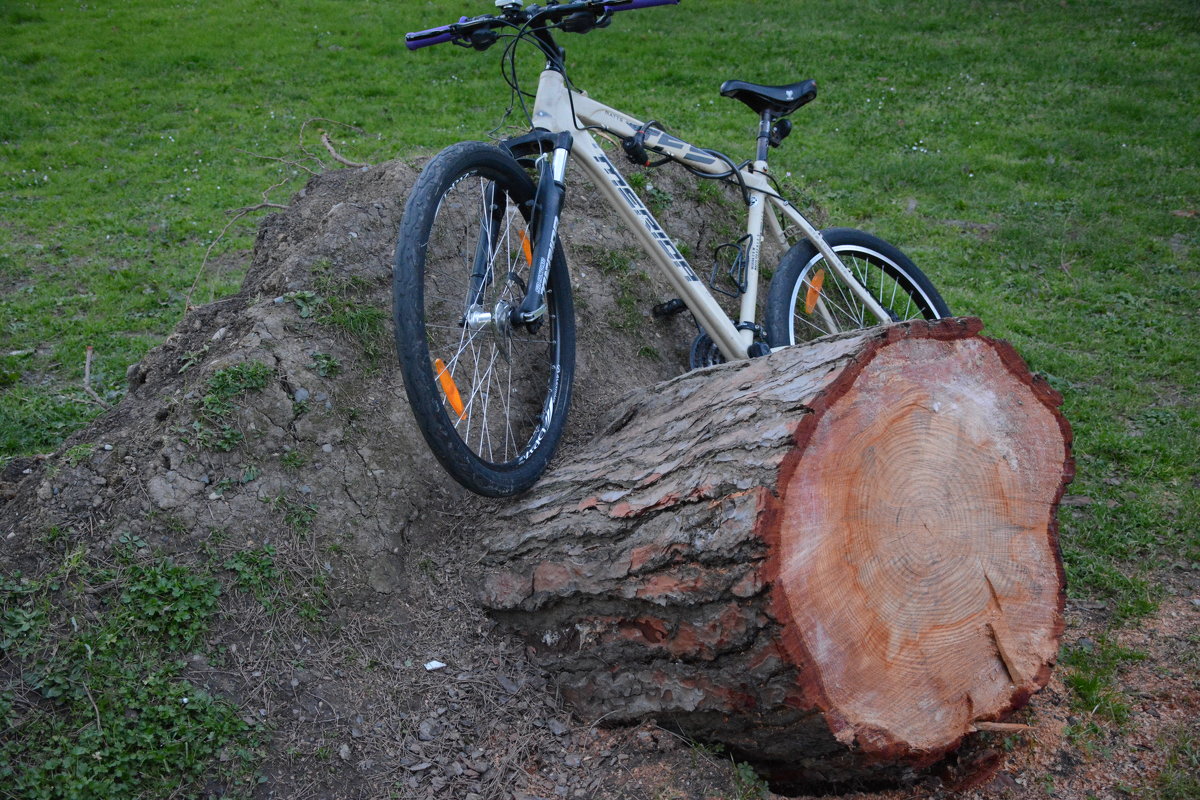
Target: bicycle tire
489, 397
806, 299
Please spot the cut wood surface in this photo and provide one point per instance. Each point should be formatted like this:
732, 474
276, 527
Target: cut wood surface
837, 560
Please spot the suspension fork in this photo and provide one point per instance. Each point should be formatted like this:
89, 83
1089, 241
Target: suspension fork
553, 151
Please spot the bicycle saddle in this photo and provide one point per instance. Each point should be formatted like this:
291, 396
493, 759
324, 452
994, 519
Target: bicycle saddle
779, 100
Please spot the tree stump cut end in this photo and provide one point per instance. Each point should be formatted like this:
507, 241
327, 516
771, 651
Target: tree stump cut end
913, 559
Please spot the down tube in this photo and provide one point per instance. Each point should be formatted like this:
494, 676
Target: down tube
658, 244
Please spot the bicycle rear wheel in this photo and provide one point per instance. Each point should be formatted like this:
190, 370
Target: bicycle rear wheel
807, 299
490, 397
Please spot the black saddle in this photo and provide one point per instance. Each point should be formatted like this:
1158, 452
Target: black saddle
779, 100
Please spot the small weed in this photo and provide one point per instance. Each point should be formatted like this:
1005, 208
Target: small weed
169, 602
1089, 736
192, 358
129, 540
646, 351
53, 534
707, 192
224, 440
293, 459
79, 453
702, 751
341, 308
658, 200
306, 302
365, 325
326, 365
228, 383
747, 785
255, 571
297, 516
1180, 778
222, 486
20, 629
1092, 678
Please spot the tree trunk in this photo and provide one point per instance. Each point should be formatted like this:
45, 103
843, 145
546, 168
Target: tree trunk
834, 560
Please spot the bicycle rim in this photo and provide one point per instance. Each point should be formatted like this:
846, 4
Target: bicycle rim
497, 385
823, 303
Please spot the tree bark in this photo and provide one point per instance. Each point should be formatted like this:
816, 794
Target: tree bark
834, 560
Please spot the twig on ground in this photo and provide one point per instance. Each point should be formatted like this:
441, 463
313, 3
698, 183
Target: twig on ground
312, 155
1002, 727
87, 380
187, 299
338, 157
99, 727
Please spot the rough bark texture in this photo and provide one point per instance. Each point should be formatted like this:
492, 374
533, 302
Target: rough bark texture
833, 560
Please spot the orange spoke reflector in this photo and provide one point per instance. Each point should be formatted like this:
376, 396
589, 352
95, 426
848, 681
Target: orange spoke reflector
814, 291
527, 249
448, 387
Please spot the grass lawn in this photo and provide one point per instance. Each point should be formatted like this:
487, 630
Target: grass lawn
1040, 161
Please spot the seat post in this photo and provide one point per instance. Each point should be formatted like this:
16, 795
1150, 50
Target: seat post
764, 134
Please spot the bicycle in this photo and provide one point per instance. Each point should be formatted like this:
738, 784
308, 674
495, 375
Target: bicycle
484, 321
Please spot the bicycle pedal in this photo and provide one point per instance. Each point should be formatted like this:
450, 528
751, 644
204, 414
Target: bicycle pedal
669, 309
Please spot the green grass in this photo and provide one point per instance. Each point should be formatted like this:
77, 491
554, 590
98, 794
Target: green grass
1092, 674
1040, 161
102, 705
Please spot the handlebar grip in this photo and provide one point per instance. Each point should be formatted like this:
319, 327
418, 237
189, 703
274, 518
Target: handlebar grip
634, 4
428, 38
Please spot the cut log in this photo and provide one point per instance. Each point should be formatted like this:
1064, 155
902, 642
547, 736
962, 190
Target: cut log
836, 560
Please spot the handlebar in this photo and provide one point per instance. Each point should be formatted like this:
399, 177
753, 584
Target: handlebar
517, 17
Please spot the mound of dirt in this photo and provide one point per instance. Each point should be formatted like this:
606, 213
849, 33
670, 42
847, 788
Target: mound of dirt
274, 421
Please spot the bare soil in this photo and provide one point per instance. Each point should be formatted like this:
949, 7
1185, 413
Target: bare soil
356, 701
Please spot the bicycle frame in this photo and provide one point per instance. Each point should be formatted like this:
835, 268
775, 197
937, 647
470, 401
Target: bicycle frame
559, 109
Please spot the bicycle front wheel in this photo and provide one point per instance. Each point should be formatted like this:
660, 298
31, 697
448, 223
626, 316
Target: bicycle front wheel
489, 396
807, 299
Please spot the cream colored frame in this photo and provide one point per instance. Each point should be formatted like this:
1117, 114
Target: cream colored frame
558, 108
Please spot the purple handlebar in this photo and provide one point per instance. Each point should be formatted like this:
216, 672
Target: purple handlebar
438, 35
642, 4
418, 39
443, 33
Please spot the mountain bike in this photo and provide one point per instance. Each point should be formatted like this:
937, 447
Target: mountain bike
484, 322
